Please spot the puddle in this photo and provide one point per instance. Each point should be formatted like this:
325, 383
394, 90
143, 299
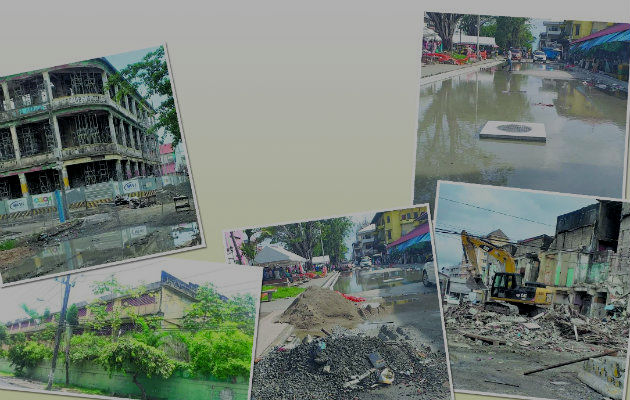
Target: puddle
360, 281
101, 248
585, 127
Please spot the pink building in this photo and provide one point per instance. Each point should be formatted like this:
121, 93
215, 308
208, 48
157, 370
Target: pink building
167, 158
233, 242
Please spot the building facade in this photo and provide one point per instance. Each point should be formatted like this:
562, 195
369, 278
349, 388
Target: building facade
364, 244
64, 126
391, 225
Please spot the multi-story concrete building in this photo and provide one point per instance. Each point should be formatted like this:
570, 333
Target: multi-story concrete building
64, 126
364, 245
391, 225
552, 34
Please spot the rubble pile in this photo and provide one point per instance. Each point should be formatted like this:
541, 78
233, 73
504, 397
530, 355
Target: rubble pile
342, 365
318, 307
559, 328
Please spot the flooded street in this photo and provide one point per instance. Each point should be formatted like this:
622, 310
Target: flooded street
585, 128
101, 239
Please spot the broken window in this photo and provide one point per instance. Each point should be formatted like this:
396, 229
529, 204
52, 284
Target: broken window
91, 173
44, 181
6, 145
85, 128
76, 81
35, 138
10, 187
27, 92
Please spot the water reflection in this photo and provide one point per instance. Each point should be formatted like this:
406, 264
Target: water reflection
585, 134
358, 281
101, 248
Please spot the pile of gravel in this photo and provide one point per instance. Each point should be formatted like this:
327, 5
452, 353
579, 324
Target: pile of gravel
307, 372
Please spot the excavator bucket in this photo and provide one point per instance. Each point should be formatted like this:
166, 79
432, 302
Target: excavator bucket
475, 283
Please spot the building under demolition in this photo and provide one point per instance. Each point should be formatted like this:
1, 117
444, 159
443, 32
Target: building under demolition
65, 126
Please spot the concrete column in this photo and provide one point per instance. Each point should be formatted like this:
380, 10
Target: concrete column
47, 84
131, 137
5, 92
112, 129
138, 139
23, 185
128, 169
124, 136
64, 175
134, 110
143, 169
136, 170
126, 99
104, 78
119, 172
57, 133
16, 144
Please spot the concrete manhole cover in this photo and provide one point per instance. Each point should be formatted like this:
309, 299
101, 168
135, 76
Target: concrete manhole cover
522, 131
514, 128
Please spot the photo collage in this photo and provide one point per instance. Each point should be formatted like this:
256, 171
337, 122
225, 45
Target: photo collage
507, 274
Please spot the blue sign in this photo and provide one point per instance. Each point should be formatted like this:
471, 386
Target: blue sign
62, 216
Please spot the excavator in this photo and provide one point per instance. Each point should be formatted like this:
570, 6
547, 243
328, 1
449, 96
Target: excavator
507, 292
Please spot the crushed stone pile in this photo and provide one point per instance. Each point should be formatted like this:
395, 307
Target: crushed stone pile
310, 372
554, 328
318, 307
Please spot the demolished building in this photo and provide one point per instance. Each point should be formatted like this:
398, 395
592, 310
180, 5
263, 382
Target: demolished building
66, 126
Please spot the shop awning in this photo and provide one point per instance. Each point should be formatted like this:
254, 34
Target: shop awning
418, 235
604, 32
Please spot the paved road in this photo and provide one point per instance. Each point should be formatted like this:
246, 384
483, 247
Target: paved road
7, 383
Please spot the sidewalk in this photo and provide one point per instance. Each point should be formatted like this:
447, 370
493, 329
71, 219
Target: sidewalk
438, 72
272, 333
598, 78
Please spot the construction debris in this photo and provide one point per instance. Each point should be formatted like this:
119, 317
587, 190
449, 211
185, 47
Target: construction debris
556, 328
344, 364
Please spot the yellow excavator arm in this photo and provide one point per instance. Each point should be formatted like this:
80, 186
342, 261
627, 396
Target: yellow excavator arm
471, 243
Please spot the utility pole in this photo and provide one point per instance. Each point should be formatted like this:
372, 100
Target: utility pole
236, 250
60, 327
478, 29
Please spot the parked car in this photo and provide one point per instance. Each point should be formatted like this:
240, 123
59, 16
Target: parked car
428, 274
516, 54
365, 262
540, 55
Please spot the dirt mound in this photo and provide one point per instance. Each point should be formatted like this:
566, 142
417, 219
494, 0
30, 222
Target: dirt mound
306, 372
317, 308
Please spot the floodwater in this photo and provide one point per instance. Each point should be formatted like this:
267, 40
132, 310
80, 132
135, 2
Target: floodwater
100, 248
359, 281
583, 154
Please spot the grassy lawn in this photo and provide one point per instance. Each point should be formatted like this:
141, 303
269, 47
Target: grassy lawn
283, 291
81, 389
7, 244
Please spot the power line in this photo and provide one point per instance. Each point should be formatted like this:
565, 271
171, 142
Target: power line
497, 212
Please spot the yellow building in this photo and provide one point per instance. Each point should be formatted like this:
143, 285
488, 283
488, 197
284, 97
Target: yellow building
579, 29
391, 225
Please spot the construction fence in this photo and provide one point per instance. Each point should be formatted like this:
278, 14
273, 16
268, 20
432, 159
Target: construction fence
85, 197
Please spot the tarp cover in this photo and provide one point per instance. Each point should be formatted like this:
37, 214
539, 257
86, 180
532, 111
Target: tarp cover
277, 255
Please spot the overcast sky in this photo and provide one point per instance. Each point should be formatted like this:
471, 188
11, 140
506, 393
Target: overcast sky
228, 279
541, 209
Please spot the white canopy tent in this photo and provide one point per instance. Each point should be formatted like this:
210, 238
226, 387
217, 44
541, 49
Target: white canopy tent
465, 39
321, 260
276, 255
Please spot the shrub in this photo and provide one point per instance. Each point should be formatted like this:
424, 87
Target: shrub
27, 355
221, 354
87, 347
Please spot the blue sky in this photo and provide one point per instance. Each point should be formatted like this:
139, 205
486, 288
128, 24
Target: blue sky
540, 208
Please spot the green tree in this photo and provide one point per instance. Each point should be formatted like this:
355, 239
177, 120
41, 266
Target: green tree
513, 32
334, 232
150, 74
444, 25
138, 359
27, 354
254, 237
468, 23
300, 238
212, 311
72, 321
4, 335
